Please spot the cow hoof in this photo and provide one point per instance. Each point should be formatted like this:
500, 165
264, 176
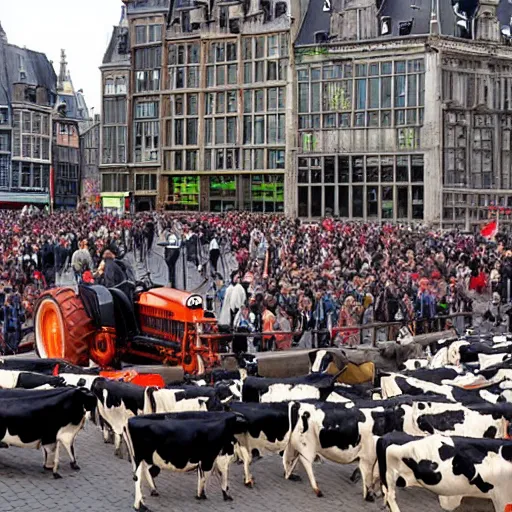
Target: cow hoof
74, 466
250, 483
319, 493
47, 469
370, 497
154, 492
356, 476
142, 508
3, 445
295, 478
239, 462
226, 496
118, 454
202, 496
56, 476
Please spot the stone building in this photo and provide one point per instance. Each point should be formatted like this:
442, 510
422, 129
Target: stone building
27, 97
116, 182
404, 110
71, 112
206, 106
90, 160
365, 109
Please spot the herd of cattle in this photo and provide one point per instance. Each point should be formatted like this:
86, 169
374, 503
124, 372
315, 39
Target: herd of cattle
442, 423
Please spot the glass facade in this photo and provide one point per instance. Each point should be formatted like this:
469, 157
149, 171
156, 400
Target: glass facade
376, 187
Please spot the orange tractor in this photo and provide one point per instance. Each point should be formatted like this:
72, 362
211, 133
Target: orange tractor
110, 326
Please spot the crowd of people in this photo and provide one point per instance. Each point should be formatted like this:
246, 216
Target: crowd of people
317, 280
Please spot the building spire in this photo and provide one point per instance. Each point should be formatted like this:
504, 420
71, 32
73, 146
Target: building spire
123, 22
3, 35
63, 69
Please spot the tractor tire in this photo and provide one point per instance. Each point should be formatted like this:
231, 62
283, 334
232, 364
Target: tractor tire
63, 330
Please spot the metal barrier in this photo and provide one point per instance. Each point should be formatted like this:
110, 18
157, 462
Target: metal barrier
435, 324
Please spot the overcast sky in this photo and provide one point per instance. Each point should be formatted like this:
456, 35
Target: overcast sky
83, 29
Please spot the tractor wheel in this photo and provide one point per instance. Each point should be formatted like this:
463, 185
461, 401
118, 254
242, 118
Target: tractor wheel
63, 330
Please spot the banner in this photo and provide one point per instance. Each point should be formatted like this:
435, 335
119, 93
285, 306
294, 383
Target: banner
489, 230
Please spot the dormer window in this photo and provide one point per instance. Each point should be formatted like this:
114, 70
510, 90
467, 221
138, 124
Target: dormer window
405, 28
281, 8
321, 37
385, 26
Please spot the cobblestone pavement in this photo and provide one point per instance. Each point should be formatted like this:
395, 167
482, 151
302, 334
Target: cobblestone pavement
105, 484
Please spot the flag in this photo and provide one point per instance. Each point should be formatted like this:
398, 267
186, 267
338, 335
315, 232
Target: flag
489, 230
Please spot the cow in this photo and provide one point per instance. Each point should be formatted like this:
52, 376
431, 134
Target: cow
394, 384
183, 442
315, 386
451, 467
11, 379
435, 375
117, 402
321, 359
267, 429
339, 433
44, 418
180, 400
414, 364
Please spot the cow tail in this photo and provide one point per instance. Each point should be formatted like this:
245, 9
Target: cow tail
131, 450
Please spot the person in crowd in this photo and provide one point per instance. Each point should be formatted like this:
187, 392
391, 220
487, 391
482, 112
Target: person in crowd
81, 260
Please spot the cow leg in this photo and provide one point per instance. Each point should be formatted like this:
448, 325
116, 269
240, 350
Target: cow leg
366, 469
49, 456
390, 494
117, 445
56, 461
67, 436
222, 463
202, 477
138, 504
150, 480
246, 456
290, 459
308, 467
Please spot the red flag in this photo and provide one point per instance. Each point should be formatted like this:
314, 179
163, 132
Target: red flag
52, 186
489, 230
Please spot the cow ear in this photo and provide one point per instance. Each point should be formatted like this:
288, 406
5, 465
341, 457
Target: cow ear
312, 356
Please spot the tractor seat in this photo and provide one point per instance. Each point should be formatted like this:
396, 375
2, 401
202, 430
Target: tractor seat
124, 312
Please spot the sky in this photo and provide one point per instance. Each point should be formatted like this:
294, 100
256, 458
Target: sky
83, 29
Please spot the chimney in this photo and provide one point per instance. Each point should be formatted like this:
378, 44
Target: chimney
487, 26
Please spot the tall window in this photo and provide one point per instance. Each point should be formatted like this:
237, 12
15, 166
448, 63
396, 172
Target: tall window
147, 132
148, 34
148, 62
367, 94
184, 66
265, 58
31, 135
222, 67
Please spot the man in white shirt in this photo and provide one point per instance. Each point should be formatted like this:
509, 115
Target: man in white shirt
171, 254
214, 250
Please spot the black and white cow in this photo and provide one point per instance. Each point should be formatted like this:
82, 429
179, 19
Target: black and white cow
11, 379
183, 442
316, 386
117, 402
339, 433
44, 418
189, 398
267, 429
451, 467
321, 359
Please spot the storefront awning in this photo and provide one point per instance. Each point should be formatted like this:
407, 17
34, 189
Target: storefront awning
24, 198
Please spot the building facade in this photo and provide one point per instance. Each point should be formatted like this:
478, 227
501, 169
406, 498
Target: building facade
385, 110
27, 97
403, 110
207, 109
115, 179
